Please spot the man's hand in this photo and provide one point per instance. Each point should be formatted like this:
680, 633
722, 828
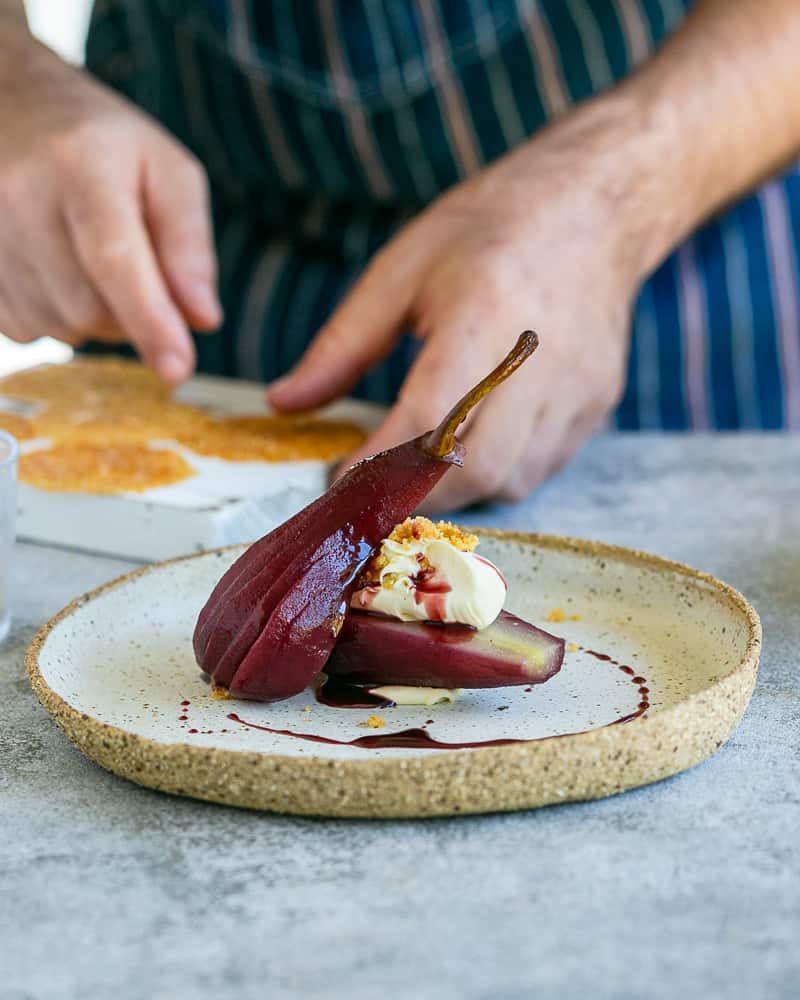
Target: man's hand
558, 236
534, 241
105, 228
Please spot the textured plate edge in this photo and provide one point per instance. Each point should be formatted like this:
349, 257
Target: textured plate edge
569, 768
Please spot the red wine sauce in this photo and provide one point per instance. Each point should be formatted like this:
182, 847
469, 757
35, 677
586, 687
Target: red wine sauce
430, 592
415, 738
640, 682
339, 694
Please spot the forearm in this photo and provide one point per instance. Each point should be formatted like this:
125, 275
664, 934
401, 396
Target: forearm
717, 110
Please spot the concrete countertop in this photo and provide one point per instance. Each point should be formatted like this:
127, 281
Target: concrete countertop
689, 888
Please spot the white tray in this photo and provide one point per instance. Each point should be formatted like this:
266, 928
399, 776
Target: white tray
226, 503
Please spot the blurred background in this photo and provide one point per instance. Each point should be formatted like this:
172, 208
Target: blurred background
61, 24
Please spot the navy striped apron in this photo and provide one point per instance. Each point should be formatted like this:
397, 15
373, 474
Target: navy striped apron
325, 124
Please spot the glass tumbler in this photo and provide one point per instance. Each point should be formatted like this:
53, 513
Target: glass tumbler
9, 453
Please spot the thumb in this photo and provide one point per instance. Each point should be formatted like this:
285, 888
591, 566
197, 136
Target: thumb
177, 211
357, 336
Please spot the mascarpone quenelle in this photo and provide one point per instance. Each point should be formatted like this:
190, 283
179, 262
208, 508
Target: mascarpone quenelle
427, 572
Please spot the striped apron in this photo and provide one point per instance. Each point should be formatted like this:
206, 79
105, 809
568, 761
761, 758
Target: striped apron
325, 124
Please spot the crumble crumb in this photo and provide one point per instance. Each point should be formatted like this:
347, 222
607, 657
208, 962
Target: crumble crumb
560, 615
572, 647
306, 708
220, 693
415, 529
375, 722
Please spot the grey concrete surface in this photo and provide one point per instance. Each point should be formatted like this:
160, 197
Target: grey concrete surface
686, 889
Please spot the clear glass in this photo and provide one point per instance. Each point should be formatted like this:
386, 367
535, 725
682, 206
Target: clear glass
9, 453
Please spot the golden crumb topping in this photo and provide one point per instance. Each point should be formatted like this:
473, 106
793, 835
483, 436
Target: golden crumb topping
220, 693
419, 529
375, 722
422, 529
560, 615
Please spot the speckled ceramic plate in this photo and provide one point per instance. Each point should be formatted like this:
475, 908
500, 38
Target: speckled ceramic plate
671, 650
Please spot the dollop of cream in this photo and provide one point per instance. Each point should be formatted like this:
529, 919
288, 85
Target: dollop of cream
456, 587
402, 694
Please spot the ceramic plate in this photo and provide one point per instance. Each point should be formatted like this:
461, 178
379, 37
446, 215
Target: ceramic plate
660, 666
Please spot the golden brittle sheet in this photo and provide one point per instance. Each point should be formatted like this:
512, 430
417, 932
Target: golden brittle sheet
18, 427
100, 416
98, 468
272, 439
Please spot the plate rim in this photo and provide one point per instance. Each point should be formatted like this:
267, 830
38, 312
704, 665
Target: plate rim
569, 767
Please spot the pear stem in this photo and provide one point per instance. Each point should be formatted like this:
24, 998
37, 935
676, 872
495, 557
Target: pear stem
442, 441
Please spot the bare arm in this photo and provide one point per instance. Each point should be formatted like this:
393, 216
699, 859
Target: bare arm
719, 106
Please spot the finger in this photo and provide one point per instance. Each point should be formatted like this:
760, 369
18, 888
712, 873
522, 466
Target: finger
431, 387
26, 314
113, 246
31, 296
494, 446
178, 215
517, 431
357, 336
108, 335
450, 363
82, 313
539, 464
